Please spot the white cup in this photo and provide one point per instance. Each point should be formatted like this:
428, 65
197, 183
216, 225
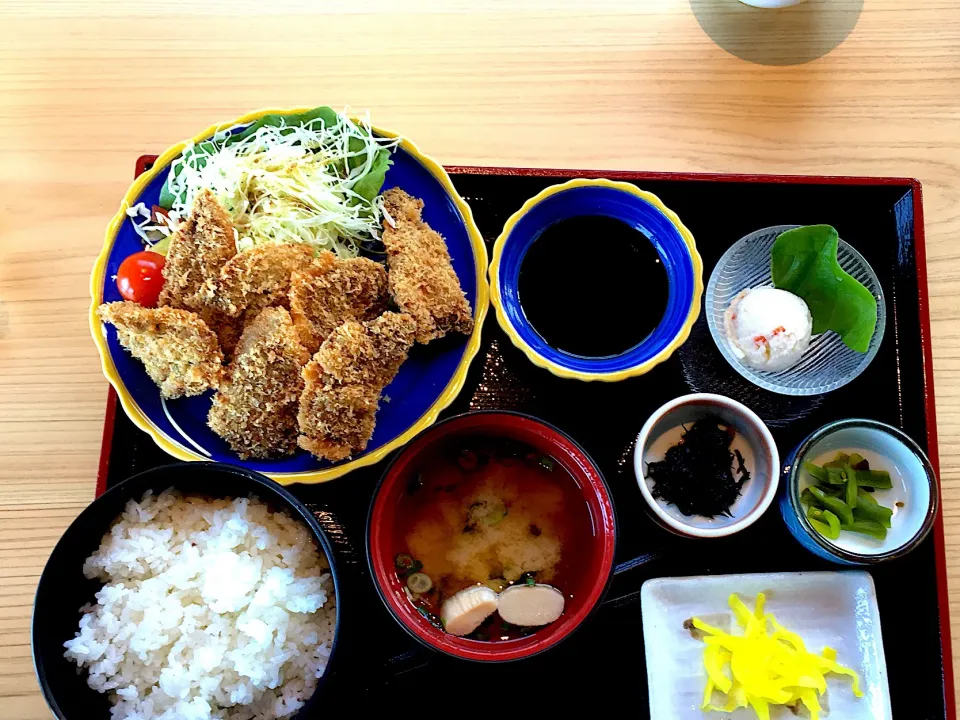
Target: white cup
771, 3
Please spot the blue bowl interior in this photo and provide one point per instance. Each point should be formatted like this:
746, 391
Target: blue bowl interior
636, 212
416, 387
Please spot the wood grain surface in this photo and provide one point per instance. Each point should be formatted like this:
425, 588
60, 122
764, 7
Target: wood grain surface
866, 87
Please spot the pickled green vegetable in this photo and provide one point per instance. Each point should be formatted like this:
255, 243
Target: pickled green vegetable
869, 509
841, 460
826, 523
855, 460
836, 475
816, 472
877, 479
866, 527
851, 497
834, 505
841, 489
807, 498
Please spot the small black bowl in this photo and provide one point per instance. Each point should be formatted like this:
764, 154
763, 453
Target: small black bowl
63, 589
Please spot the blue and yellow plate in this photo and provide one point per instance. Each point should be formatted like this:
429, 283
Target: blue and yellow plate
426, 384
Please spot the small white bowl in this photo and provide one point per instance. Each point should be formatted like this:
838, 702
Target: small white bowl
753, 440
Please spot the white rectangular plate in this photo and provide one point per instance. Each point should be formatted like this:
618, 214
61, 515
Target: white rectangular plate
835, 609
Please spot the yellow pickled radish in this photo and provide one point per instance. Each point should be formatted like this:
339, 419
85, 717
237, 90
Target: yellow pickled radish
714, 660
766, 666
707, 693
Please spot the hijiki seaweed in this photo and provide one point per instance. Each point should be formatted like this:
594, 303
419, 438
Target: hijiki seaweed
697, 473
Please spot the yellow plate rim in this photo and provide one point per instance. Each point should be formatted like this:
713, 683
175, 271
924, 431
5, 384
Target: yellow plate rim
538, 359
180, 451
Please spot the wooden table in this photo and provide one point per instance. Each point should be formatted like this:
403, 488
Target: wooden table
86, 87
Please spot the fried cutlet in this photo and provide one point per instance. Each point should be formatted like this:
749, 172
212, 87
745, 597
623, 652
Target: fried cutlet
422, 280
202, 244
255, 410
261, 270
179, 352
344, 380
229, 329
331, 291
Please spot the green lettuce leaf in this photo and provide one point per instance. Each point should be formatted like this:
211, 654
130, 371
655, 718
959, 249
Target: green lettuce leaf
804, 262
167, 198
328, 115
368, 187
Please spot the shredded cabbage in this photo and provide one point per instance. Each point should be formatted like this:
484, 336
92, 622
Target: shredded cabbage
293, 180
152, 229
760, 669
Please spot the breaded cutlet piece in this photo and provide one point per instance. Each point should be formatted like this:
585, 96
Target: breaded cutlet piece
339, 418
229, 329
202, 244
261, 270
177, 349
422, 280
344, 380
255, 410
367, 353
331, 291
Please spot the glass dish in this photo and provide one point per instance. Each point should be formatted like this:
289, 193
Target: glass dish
827, 364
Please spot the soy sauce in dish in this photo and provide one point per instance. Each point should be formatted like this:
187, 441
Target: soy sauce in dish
592, 286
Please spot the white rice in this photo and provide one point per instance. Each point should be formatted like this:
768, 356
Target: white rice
211, 609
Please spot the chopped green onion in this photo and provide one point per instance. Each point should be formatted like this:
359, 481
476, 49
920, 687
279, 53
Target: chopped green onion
419, 582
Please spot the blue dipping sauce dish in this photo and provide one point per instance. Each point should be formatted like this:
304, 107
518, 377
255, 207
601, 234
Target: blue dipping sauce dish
675, 251
914, 498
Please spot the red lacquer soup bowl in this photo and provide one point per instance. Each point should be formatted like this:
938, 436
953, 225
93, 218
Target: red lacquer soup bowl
586, 577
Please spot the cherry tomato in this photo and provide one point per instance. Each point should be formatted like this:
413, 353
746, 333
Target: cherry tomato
140, 278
